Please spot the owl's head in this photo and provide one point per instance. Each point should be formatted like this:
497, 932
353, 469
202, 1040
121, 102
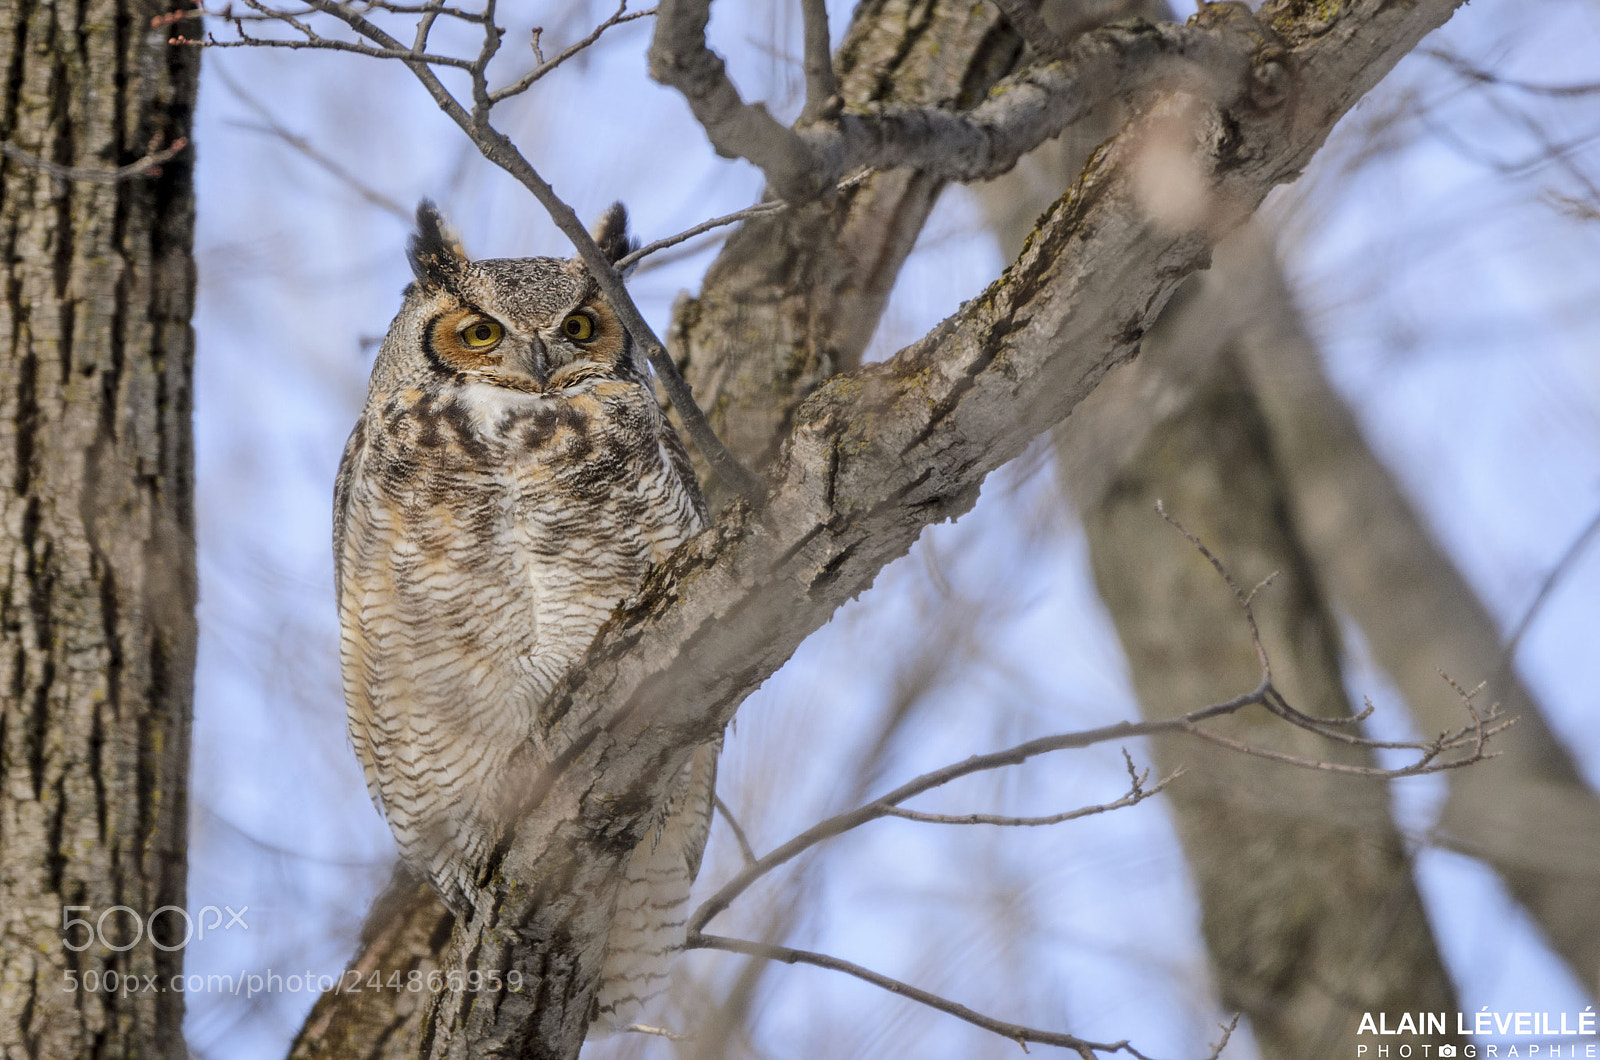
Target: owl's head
532, 324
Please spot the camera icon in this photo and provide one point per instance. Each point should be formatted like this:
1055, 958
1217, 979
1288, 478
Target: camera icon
1447, 1050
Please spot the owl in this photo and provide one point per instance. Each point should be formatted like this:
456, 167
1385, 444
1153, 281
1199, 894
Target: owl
509, 483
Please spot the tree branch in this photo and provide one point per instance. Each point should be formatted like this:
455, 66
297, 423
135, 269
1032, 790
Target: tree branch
1220, 54
148, 166
1015, 1032
528, 80
822, 90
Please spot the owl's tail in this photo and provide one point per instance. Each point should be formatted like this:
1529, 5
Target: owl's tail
653, 900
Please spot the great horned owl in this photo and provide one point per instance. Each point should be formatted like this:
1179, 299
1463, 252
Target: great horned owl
509, 483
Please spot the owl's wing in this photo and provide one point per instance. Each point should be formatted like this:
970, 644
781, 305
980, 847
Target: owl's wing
341, 497
678, 460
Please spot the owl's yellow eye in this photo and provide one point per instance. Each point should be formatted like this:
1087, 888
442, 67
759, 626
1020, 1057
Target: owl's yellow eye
481, 334
579, 327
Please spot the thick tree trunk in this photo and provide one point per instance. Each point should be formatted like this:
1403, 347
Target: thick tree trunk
96, 526
1308, 906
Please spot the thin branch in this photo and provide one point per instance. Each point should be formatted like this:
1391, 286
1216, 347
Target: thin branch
1245, 600
822, 89
528, 80
760, 208
388, 48
1027, 822
147, 166
745, 850
1218, 57
657, 1032
1472, 72
1137, 793
1476, 735
1015, 1032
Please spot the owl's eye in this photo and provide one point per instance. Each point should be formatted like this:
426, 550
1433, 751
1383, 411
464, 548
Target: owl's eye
481, 334
579, 327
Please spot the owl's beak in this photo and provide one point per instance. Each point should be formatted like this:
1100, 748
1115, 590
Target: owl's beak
537, 362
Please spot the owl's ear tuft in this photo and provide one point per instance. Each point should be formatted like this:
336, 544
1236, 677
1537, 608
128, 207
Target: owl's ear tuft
435, 251
611, 234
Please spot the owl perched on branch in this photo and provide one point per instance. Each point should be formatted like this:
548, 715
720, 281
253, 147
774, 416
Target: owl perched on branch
509, 483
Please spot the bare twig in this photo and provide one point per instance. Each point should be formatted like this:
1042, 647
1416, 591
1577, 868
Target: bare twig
147, 166
1244, 599
1021, 112
1227, 1033
656, 1032
1015, 1032
528, 80
1473, 72
745, 850
822, 90
760, 208
1137, 793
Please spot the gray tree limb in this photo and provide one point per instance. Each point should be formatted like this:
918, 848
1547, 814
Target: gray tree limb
1529, 814
1019, 114
793, 299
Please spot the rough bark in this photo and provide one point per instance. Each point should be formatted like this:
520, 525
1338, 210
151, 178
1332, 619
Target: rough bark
1529, 813
1307, 901
97, 631
405, 931
873, 457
